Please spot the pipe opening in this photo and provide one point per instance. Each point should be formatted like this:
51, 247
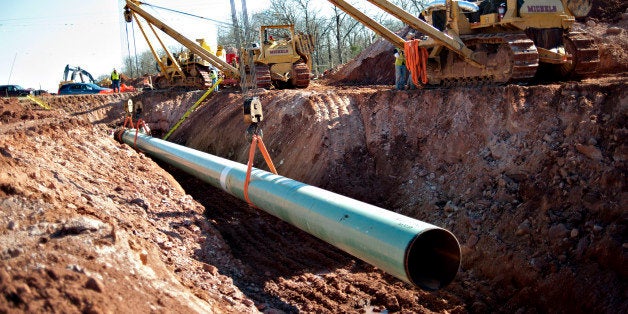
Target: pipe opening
433, 259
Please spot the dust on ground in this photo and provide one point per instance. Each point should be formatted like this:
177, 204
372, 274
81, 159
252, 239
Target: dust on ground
531, 179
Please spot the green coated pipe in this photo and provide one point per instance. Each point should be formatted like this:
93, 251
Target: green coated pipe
416, 252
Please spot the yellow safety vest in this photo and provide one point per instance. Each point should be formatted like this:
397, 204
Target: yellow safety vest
115, 76
401, 59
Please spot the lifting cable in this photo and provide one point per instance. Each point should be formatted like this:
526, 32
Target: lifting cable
140, 124
189, 14
128, 44
137, 69
131, 109
416, 61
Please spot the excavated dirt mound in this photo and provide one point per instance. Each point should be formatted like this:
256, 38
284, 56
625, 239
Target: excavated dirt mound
531, 180
88, 225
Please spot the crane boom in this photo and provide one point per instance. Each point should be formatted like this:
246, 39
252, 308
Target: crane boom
194, 47
444, 39
369, 22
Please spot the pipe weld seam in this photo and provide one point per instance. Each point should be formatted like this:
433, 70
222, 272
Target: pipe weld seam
223, 177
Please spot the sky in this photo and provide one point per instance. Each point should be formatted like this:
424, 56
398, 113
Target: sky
38, 38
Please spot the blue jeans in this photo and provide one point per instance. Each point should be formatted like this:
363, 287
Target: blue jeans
401, 74
115, 85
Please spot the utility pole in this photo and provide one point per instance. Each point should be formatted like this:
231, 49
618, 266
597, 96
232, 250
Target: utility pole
247, 33
236, 29
236, 26
11, 72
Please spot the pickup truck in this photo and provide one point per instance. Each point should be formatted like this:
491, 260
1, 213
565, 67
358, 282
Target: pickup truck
14, 91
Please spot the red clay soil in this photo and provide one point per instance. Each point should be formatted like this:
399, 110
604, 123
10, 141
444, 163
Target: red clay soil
530, 179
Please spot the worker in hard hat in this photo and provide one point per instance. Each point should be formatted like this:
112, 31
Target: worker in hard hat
401, 72
213, 74
115, 81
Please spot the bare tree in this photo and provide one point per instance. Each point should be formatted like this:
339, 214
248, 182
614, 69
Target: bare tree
416, 6
284, 12
146, 64
338, 18
307, 11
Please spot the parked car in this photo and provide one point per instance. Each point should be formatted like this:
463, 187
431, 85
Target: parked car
39, 92
14, 91
83, 88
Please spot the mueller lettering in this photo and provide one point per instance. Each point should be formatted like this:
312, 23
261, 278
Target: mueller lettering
541, 8
279, 51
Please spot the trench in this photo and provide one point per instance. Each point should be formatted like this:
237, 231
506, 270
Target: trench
484, 165
273, 252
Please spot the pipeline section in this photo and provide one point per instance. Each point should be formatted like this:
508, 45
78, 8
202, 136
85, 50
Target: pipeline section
414, 251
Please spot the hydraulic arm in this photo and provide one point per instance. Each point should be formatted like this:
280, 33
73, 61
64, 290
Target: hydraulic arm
454, 45
221, 65
442, 38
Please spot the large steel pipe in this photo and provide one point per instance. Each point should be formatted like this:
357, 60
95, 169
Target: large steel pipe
414, 251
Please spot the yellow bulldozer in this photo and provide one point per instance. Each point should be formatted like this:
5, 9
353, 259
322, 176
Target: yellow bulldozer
283, 57
493, 41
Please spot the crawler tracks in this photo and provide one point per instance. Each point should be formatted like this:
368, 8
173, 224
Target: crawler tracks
513, 58
197, 78
262, 76
508, 58
585, 55
525, 58
203, 77
301, 78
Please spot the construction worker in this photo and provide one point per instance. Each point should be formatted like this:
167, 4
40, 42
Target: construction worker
115, 81
214, 76
401, 72
232, 57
